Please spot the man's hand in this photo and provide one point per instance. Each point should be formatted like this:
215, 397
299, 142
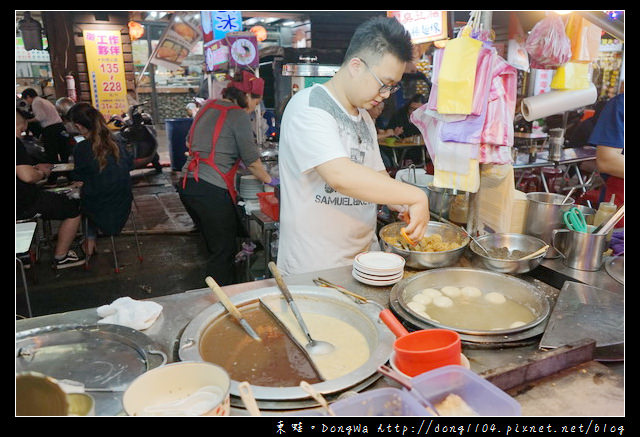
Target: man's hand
44, 168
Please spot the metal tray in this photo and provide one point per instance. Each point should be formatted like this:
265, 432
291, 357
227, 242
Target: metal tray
104, 358
615, 267
583, 311
320, 300
517, 289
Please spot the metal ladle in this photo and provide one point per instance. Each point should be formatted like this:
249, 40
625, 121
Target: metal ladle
314, 347
444, 220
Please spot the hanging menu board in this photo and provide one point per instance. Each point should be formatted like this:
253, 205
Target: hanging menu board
177, 41
105, 67
424, 26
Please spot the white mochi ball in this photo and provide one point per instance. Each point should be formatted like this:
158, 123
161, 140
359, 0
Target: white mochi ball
471, 292
416, 306
431, 292
452, 292
442, 301
495, 297
424, 314
421, 298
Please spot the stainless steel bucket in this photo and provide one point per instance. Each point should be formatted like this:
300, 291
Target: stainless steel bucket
580, 250
544, 215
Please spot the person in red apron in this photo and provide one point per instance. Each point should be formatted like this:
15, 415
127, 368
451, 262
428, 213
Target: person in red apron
608, 137
220, 138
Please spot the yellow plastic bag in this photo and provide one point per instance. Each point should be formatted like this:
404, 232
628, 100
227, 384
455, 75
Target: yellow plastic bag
572, 76
457, 75
584, 37
469, 182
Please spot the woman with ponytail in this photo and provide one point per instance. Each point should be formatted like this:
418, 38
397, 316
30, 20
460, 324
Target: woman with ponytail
220, 138
102, 166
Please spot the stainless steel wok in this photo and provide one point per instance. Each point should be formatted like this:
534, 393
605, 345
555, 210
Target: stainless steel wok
312, 299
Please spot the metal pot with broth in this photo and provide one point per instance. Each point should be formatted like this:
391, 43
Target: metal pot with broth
472, 301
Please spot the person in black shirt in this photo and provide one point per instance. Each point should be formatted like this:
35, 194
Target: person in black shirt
401, 117
102, 166
32, 200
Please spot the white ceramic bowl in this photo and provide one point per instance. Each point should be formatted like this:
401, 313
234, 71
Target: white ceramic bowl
176, 381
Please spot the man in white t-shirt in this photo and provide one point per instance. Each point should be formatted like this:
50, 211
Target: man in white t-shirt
331, 173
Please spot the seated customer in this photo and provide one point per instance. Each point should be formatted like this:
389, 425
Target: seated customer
401, 117
383, 133
32, 200
102, 166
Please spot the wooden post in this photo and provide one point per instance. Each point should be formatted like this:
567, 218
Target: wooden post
62, 49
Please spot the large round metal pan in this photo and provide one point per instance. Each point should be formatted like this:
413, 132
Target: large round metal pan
311, 299
516, 289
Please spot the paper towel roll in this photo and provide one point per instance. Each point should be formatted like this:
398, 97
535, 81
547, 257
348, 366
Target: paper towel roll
556, 102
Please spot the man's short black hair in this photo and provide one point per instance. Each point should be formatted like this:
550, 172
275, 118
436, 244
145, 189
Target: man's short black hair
378, 36
29, 92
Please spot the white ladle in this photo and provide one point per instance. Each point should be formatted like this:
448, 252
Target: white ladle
247, 397
317, 396
196, 404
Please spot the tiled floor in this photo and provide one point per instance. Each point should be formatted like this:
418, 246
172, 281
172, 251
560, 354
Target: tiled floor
173, 255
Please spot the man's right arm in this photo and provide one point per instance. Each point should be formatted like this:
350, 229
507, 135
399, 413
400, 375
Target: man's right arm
363, 183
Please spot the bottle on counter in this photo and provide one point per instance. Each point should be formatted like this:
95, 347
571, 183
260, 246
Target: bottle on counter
604, 213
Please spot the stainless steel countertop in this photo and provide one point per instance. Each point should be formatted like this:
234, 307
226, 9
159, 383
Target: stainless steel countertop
179, 309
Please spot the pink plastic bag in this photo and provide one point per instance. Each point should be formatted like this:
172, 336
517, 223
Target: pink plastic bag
547, 44
433, 94
492, 154
498, 125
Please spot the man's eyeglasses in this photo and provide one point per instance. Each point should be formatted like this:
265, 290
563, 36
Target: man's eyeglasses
383, 88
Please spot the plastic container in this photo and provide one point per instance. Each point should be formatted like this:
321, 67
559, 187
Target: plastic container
605, 211
269, 205
483, 397
177, 131
380, 402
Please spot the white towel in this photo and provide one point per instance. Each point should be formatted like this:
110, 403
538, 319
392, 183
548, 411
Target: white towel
129, 312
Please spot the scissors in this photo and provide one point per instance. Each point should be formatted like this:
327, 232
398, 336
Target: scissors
574, 219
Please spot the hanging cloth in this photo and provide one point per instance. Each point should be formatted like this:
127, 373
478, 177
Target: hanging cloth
194, 165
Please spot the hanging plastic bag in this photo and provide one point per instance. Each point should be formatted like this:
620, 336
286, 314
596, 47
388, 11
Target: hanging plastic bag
429, 123
547, 44
468, 181
433, 93
469, 130
492, 154
584, 37
498, 125
516, 49
572, 76
457, 75
455, 164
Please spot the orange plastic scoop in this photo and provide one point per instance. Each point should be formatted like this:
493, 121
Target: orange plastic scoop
403, 232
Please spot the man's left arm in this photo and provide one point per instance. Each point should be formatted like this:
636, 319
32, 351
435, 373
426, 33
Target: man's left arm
610, 160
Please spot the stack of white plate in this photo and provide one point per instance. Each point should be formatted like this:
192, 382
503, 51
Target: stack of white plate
250, 186
378, 268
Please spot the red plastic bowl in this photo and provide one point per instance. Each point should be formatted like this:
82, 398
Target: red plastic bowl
424, 350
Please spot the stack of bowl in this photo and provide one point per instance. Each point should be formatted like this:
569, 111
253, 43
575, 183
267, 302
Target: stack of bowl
378, 268
250, 186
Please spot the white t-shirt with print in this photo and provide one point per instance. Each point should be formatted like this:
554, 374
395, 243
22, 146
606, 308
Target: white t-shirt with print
321, 228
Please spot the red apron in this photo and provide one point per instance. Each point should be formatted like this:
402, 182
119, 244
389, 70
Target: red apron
229, 177
614, 185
